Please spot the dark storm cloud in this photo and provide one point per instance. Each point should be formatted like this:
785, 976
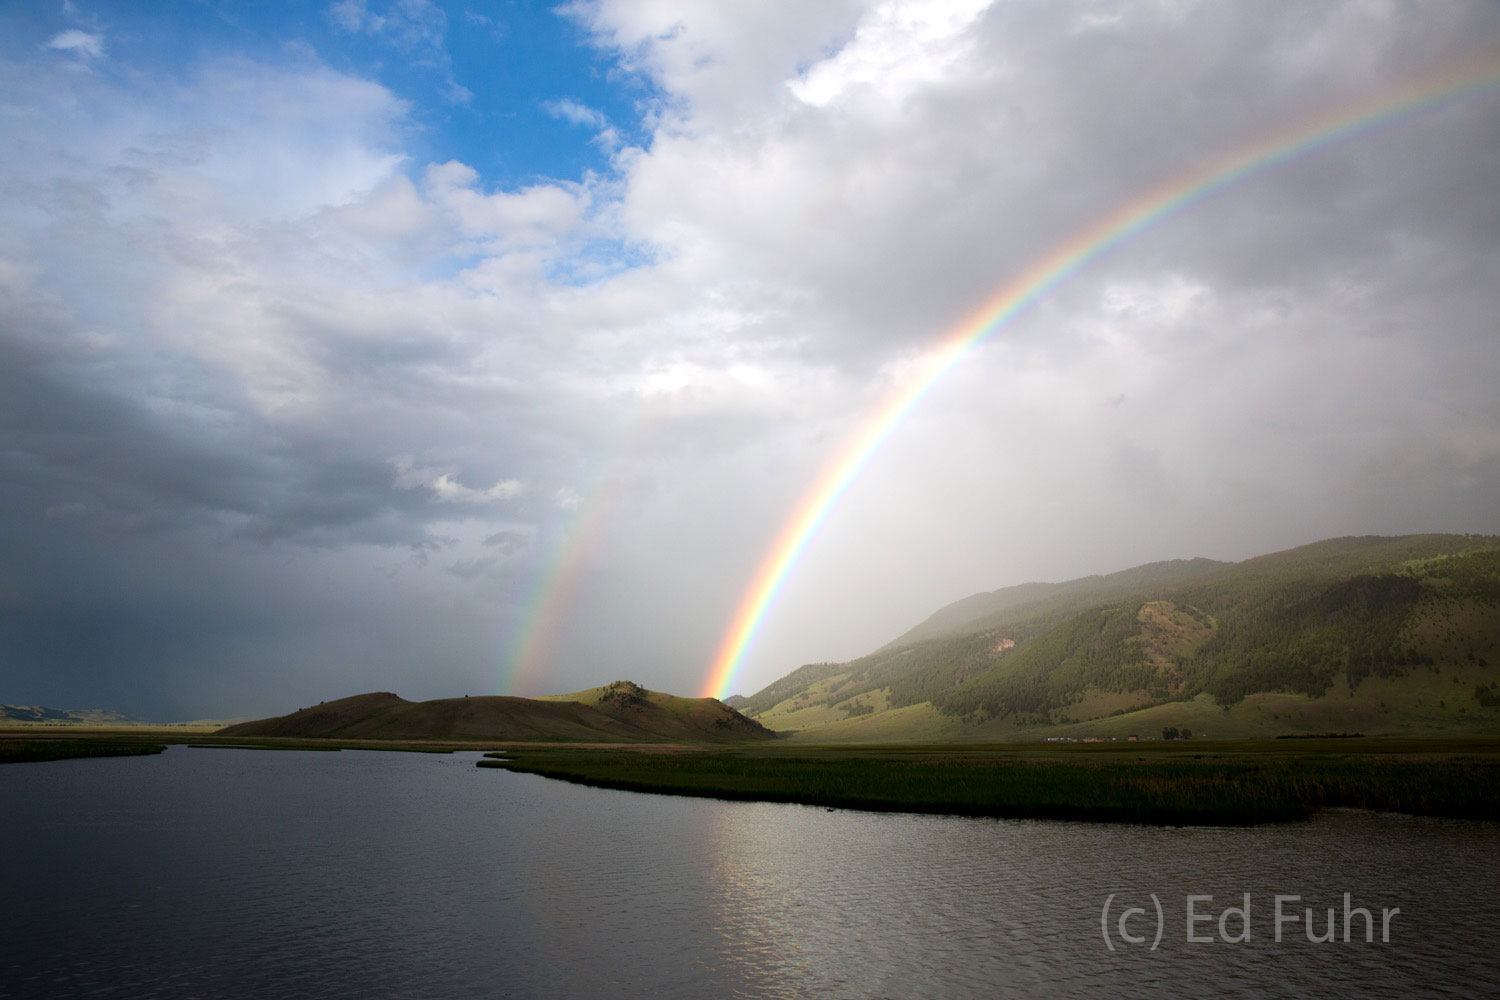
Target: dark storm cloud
79, 440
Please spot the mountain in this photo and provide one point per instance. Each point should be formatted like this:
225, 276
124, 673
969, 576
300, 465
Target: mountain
617, 713
59, 716
1002, 607
1376, 634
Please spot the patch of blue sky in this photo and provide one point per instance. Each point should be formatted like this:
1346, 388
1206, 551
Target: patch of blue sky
595, 260
586, 262
446, 267
514, 90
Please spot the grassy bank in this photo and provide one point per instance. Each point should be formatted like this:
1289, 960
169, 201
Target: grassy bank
19, 750
1194, 782
1186, 784
20, 745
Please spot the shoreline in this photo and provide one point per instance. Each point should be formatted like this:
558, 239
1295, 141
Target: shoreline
1243, 785
1165, 784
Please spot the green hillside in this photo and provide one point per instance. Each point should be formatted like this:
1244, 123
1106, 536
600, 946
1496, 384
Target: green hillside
1382, 635
1009, 604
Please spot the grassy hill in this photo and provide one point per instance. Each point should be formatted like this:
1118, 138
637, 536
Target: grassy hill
1380, 635
668, 715
618, 713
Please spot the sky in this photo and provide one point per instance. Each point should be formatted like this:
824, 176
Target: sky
487, 348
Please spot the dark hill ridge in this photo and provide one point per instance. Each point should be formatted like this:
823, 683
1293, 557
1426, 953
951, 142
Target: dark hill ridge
668, 715
635, 716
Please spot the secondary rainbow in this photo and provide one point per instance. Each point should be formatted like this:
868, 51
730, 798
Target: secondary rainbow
1057, 266
556, 583
563, 566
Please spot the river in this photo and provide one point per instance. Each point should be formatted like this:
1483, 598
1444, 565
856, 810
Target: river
240, 873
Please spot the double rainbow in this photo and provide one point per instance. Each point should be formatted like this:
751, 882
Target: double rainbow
1051, 270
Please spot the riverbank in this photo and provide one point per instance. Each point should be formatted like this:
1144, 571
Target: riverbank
1188, 783
31, 750
21, 746
1167, 784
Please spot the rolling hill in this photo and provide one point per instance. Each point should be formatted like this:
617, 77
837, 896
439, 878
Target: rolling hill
668, 715
1380, 635
617, 713
39, 715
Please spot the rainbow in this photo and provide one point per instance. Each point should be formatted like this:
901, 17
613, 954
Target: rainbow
556, 583
562, 568
1057, 266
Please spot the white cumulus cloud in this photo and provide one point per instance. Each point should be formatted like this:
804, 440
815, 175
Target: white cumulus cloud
82, 44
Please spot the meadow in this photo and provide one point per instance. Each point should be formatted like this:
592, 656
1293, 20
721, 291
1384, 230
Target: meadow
1174, 783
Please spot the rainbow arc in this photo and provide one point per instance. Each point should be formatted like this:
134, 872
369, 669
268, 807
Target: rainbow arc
1052, 269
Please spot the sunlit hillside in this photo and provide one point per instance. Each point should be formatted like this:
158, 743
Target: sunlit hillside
1378, 635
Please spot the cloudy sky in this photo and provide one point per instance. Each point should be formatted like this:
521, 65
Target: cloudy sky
478, 348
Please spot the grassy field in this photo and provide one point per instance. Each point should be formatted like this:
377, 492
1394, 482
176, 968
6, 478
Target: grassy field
1164, 783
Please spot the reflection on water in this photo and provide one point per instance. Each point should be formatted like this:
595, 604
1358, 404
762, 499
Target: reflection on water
817, 903
222, 873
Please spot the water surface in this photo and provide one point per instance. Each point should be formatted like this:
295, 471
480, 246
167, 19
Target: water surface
232, 873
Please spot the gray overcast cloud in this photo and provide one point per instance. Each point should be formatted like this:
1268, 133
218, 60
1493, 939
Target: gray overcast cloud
290, 412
